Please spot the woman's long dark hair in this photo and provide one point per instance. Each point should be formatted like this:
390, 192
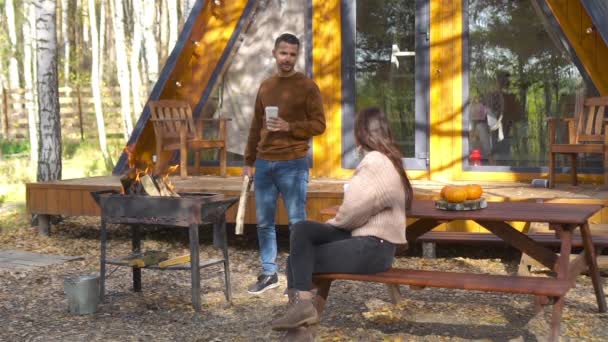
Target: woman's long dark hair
372, 133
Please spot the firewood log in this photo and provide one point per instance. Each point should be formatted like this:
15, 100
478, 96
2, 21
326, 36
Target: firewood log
175, 261
240, 213
149, 186
149, 258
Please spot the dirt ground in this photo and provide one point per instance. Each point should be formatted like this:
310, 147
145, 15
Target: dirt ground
33, 306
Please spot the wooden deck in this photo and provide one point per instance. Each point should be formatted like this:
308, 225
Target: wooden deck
72, 197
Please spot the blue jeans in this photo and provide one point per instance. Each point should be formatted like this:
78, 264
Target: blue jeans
290, 179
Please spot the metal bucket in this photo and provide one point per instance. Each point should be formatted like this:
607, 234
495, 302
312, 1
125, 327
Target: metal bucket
82, 293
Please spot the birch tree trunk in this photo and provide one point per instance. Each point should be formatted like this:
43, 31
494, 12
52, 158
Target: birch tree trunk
96, 86
102, 39
173, 24
29, 29
122, 65
65, 10
163, 31
135, 54
49, 127
13, 68
187, 8
150, 47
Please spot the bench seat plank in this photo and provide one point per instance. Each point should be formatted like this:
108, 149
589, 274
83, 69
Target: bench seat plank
473, 238
480, 282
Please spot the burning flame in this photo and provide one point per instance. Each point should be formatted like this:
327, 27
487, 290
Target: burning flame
165, 177
130, 151
140, 166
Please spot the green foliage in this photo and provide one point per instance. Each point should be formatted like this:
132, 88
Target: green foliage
14, 147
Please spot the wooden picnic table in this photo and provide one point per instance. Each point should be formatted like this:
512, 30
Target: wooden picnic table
562, 218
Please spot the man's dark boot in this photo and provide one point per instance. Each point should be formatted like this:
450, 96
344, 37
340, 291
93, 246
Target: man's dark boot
300, 312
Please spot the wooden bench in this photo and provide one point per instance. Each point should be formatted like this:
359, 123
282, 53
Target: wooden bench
430, 239
543, 288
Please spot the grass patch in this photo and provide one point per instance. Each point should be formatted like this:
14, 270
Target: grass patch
79, 159
14, 216
14, 147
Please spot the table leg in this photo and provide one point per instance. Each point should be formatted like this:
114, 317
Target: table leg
323, 287
418, 228
102, 260
195, 271
136, 249
556, 318
563, 263
593, 270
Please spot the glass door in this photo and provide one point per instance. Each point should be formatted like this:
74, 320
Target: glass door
385, 64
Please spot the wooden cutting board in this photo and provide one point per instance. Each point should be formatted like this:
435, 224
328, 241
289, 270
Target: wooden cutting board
466, 205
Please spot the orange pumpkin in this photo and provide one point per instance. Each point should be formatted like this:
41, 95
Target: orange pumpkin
443, 190
474, 191
455, 194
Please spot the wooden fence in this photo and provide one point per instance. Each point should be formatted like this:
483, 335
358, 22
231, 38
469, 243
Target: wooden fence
76, 109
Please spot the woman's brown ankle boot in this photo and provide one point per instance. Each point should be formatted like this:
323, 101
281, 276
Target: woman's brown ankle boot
300, 312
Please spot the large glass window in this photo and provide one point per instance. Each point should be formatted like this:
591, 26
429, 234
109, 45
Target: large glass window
518, 76
385, 59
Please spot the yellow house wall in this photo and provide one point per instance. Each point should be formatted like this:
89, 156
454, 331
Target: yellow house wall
445, 71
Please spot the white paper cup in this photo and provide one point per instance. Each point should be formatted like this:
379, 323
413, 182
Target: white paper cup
271, 112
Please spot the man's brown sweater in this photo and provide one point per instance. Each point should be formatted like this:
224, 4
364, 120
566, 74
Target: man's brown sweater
300, 104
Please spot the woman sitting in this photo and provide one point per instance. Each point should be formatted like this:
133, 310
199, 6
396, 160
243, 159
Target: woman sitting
361, 237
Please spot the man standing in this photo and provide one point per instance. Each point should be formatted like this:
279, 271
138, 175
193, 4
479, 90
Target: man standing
288, 112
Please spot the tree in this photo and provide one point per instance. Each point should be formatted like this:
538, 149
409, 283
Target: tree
150, 46
13, 69
66, 40
49, 127
136, 42
96, 86
187, 8
173, 24
122, 65
29, 29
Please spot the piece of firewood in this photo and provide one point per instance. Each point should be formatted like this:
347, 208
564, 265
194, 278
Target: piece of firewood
163, 189
149, 186
240, 213
149, 258
175, 261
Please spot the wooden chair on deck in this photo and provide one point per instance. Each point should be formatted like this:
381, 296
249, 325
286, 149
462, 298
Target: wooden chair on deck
175, 129
586, 134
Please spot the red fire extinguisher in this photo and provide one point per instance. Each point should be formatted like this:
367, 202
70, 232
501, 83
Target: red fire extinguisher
475, 157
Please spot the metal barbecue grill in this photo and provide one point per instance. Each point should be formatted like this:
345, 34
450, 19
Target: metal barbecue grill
189, 210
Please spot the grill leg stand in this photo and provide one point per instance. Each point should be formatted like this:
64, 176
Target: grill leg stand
136, 248
195, 271
102, 260
220, 228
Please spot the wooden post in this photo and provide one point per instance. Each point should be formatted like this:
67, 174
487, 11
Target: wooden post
44, 224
